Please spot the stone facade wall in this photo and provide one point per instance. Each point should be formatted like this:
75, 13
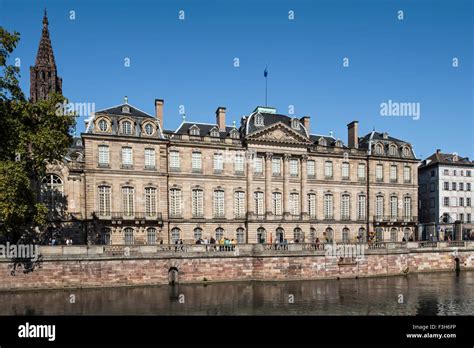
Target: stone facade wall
76, 270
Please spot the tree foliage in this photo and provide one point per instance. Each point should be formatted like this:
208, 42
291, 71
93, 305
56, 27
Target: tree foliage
31, 137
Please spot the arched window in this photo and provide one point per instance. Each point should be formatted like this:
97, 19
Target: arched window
219, 233
239, 204
259, 120
52, 194
393, 208
105, 236
258, 198
345, 235
406, 151
362, 235
261, 235
328, 206
127, 127
322, 142
149, 129
276, 203
103, 125
379, 234
329, 234
312, 234
298, 235
197, 202
219, 203
379, 202
194, 130
294, 205
280, 235
175, 202
393, 234
345, 207
240, 235
197, 233
379, 149
128, 236
214, 133
295, 123
234, 134
175, 235
393, 150
407, 208
312, 205
406, 234
151, 236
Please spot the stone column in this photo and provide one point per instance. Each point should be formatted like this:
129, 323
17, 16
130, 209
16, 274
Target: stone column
286, 186
250, 156
268, 184
304, 179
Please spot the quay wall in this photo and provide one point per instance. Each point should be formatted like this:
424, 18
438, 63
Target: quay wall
115, 266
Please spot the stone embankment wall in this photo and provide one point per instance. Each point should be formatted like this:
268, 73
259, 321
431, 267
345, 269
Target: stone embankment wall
112, 266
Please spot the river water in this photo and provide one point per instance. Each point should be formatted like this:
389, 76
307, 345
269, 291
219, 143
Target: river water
444, 293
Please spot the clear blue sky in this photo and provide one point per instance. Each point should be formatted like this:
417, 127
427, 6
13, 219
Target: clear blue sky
191, 62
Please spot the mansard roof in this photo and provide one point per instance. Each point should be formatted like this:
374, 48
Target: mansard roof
204, 128
377, 136
330, 140
118, 110
446, 159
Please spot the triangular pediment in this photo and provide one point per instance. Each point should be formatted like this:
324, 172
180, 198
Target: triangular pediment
278, 133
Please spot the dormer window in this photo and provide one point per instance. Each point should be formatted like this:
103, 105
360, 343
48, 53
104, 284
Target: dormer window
379, 149
406, 151
392, 150
338, 143
322, 142
234, 134
295, 123
194, 130
103, 125
149, 129
214, 133
385, 135
127, 127
259, 120
125, 109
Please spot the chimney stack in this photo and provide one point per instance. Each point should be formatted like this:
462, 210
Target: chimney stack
353, 134
305, 121
220, 118
438, 151
159, 111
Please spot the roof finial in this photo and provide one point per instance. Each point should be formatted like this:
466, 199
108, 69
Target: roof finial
233, 123
184, 117
45, 17
330, 133
125, 100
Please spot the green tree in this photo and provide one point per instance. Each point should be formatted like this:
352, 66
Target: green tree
31, 137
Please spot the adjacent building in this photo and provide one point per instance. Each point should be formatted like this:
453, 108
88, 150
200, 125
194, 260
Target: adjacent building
446, 195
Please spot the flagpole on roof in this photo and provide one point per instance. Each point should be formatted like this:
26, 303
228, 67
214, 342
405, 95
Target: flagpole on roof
265, 74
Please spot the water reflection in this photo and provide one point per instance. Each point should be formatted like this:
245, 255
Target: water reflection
422, 294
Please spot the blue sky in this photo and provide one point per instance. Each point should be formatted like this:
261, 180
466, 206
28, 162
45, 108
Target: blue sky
191, 62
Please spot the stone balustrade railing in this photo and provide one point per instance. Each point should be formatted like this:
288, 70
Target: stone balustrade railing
238, 249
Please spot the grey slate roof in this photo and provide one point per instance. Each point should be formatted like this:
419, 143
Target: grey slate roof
269, 119
446, 158
204, 129
117, 110
377, 136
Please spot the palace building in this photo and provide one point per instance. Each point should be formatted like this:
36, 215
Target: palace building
129, 180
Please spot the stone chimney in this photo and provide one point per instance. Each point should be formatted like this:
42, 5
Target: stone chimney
353, 134
159, 111
220, 118
305, 121
438, 151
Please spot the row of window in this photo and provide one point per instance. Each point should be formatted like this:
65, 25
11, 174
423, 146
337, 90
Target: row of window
127, 157
214, 132
128, 200
393, 150
197, 204
126, 127
468, 218
453, 172
455, 186
453, 202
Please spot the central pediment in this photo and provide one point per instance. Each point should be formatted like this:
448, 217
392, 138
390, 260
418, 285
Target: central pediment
278, 133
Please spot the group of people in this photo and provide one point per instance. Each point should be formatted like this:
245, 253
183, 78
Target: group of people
57, 241
223, 244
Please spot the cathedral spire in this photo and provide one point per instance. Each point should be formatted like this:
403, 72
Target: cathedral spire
43, 75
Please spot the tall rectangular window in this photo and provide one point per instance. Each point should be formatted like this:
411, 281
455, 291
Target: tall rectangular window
328, 206
312, 205
379, 172
446, 201
239, 163
461, 201
196, 162
328, 169
197, 203
345, 207
468, 202
361, 207
361, 171
393, 207
294, 203
311, 169
104, 200
453, 186
276, 203
406, 174
276, 166
294, 167
103, 155
127, 156
461, 186
379, 207
446, 185
393, 173
258, 165
218, 203
150, 158
407, 208
175, 202
468, 186
127, 200
258, 198
345, 171
218, 163
239, 204
150, 201
175, 162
